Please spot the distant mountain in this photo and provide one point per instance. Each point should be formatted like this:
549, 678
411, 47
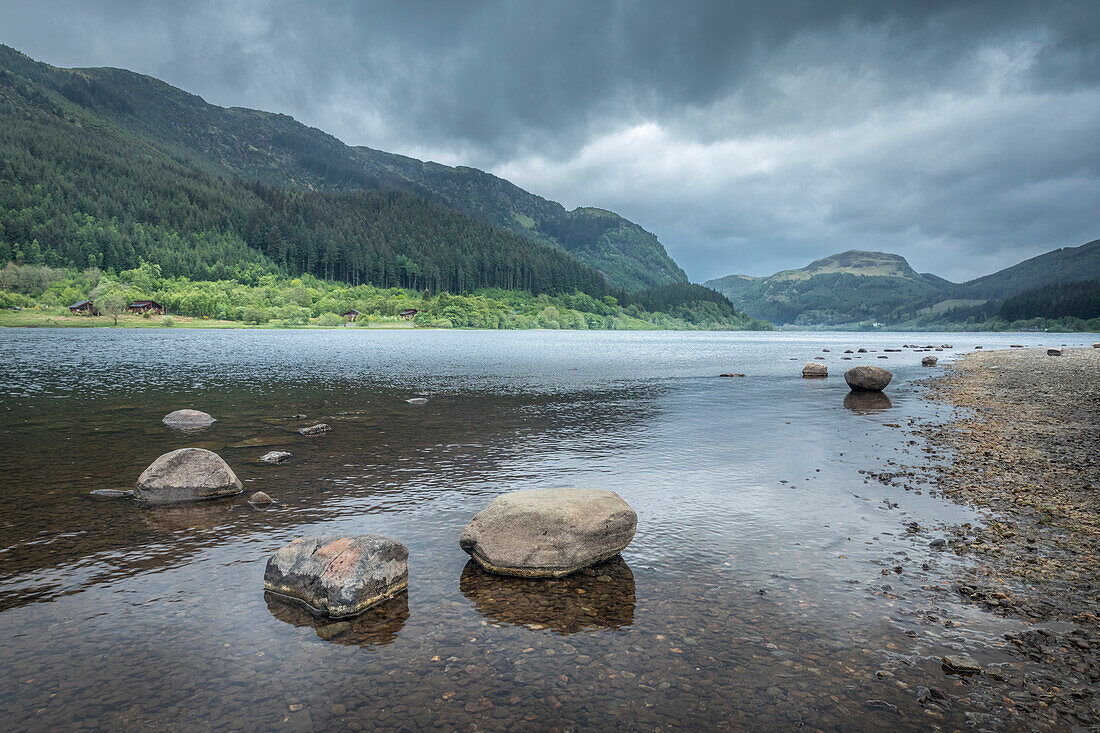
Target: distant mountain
857, 287
849, 287
243, 145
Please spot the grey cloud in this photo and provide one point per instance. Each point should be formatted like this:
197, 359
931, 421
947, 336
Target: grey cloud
958, 134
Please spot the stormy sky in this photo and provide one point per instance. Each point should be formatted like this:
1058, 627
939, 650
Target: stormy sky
750, 137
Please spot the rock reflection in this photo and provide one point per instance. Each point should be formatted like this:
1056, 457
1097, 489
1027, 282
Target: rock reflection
867, 403
600, 597
195, 515
376, 627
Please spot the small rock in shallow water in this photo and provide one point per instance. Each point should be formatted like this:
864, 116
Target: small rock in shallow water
731, 374
868, 378
418, 401
929, 361
187, 474
260, 499
960, 664
187, 419
112, 493
938, 543
548, 533
275, 456
813, 370
331, 630
339, 576
315, 429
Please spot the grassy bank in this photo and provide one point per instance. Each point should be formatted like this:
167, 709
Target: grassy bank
32, 295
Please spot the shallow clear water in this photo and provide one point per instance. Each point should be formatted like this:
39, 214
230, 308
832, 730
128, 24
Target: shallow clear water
753, 594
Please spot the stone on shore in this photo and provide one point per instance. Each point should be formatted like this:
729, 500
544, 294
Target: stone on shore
868, 378
339, 576
1054, 352
961, 664
929, 361
1096, 345
187, 474
188, 419
275, 456
549, 533
260, 498
813, 369
315, 429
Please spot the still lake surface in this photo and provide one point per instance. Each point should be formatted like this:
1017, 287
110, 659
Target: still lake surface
753, 595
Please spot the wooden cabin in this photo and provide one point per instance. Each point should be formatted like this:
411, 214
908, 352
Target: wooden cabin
352, 315
146, 306
408, 313
84, 308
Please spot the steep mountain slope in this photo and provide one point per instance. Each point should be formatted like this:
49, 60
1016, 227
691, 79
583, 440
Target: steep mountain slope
628, 255
850, 287
79, 188
1065, 265
276, 150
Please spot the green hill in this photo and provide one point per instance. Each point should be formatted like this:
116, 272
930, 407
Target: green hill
1060, 266
235, 144
845, 288
859, 288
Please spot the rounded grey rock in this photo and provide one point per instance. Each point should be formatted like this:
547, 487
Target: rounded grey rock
929, 361
813, 369
187, 474
188, 419
548, 533
868, 378
339, 576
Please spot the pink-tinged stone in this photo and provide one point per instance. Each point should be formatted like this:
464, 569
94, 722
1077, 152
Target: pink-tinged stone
339, 576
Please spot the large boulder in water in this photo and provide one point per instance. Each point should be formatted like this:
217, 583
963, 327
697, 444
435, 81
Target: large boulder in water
929, 361
549, 533
339, 576
868, 378
815, 369
187, 474
188, 419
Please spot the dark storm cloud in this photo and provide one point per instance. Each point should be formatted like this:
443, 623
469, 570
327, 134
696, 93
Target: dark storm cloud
748, 136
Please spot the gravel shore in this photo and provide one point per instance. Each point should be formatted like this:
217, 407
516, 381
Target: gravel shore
1023, 448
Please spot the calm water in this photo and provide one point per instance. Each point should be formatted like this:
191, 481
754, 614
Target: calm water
754, 594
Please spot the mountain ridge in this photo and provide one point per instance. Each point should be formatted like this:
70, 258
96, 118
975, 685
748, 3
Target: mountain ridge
858, 287
276, 149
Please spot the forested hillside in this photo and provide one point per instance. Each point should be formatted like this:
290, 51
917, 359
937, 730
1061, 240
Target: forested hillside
237, 144
77, 190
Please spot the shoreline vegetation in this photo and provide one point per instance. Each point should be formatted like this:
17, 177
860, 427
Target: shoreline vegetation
39, 296
1020, 447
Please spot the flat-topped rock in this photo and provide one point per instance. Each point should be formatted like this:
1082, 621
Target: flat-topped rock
813, 369
188, 419
868, 378
187, 474
731, 374
315, 429
1054, 352
549, 533
339, 576
275, 456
